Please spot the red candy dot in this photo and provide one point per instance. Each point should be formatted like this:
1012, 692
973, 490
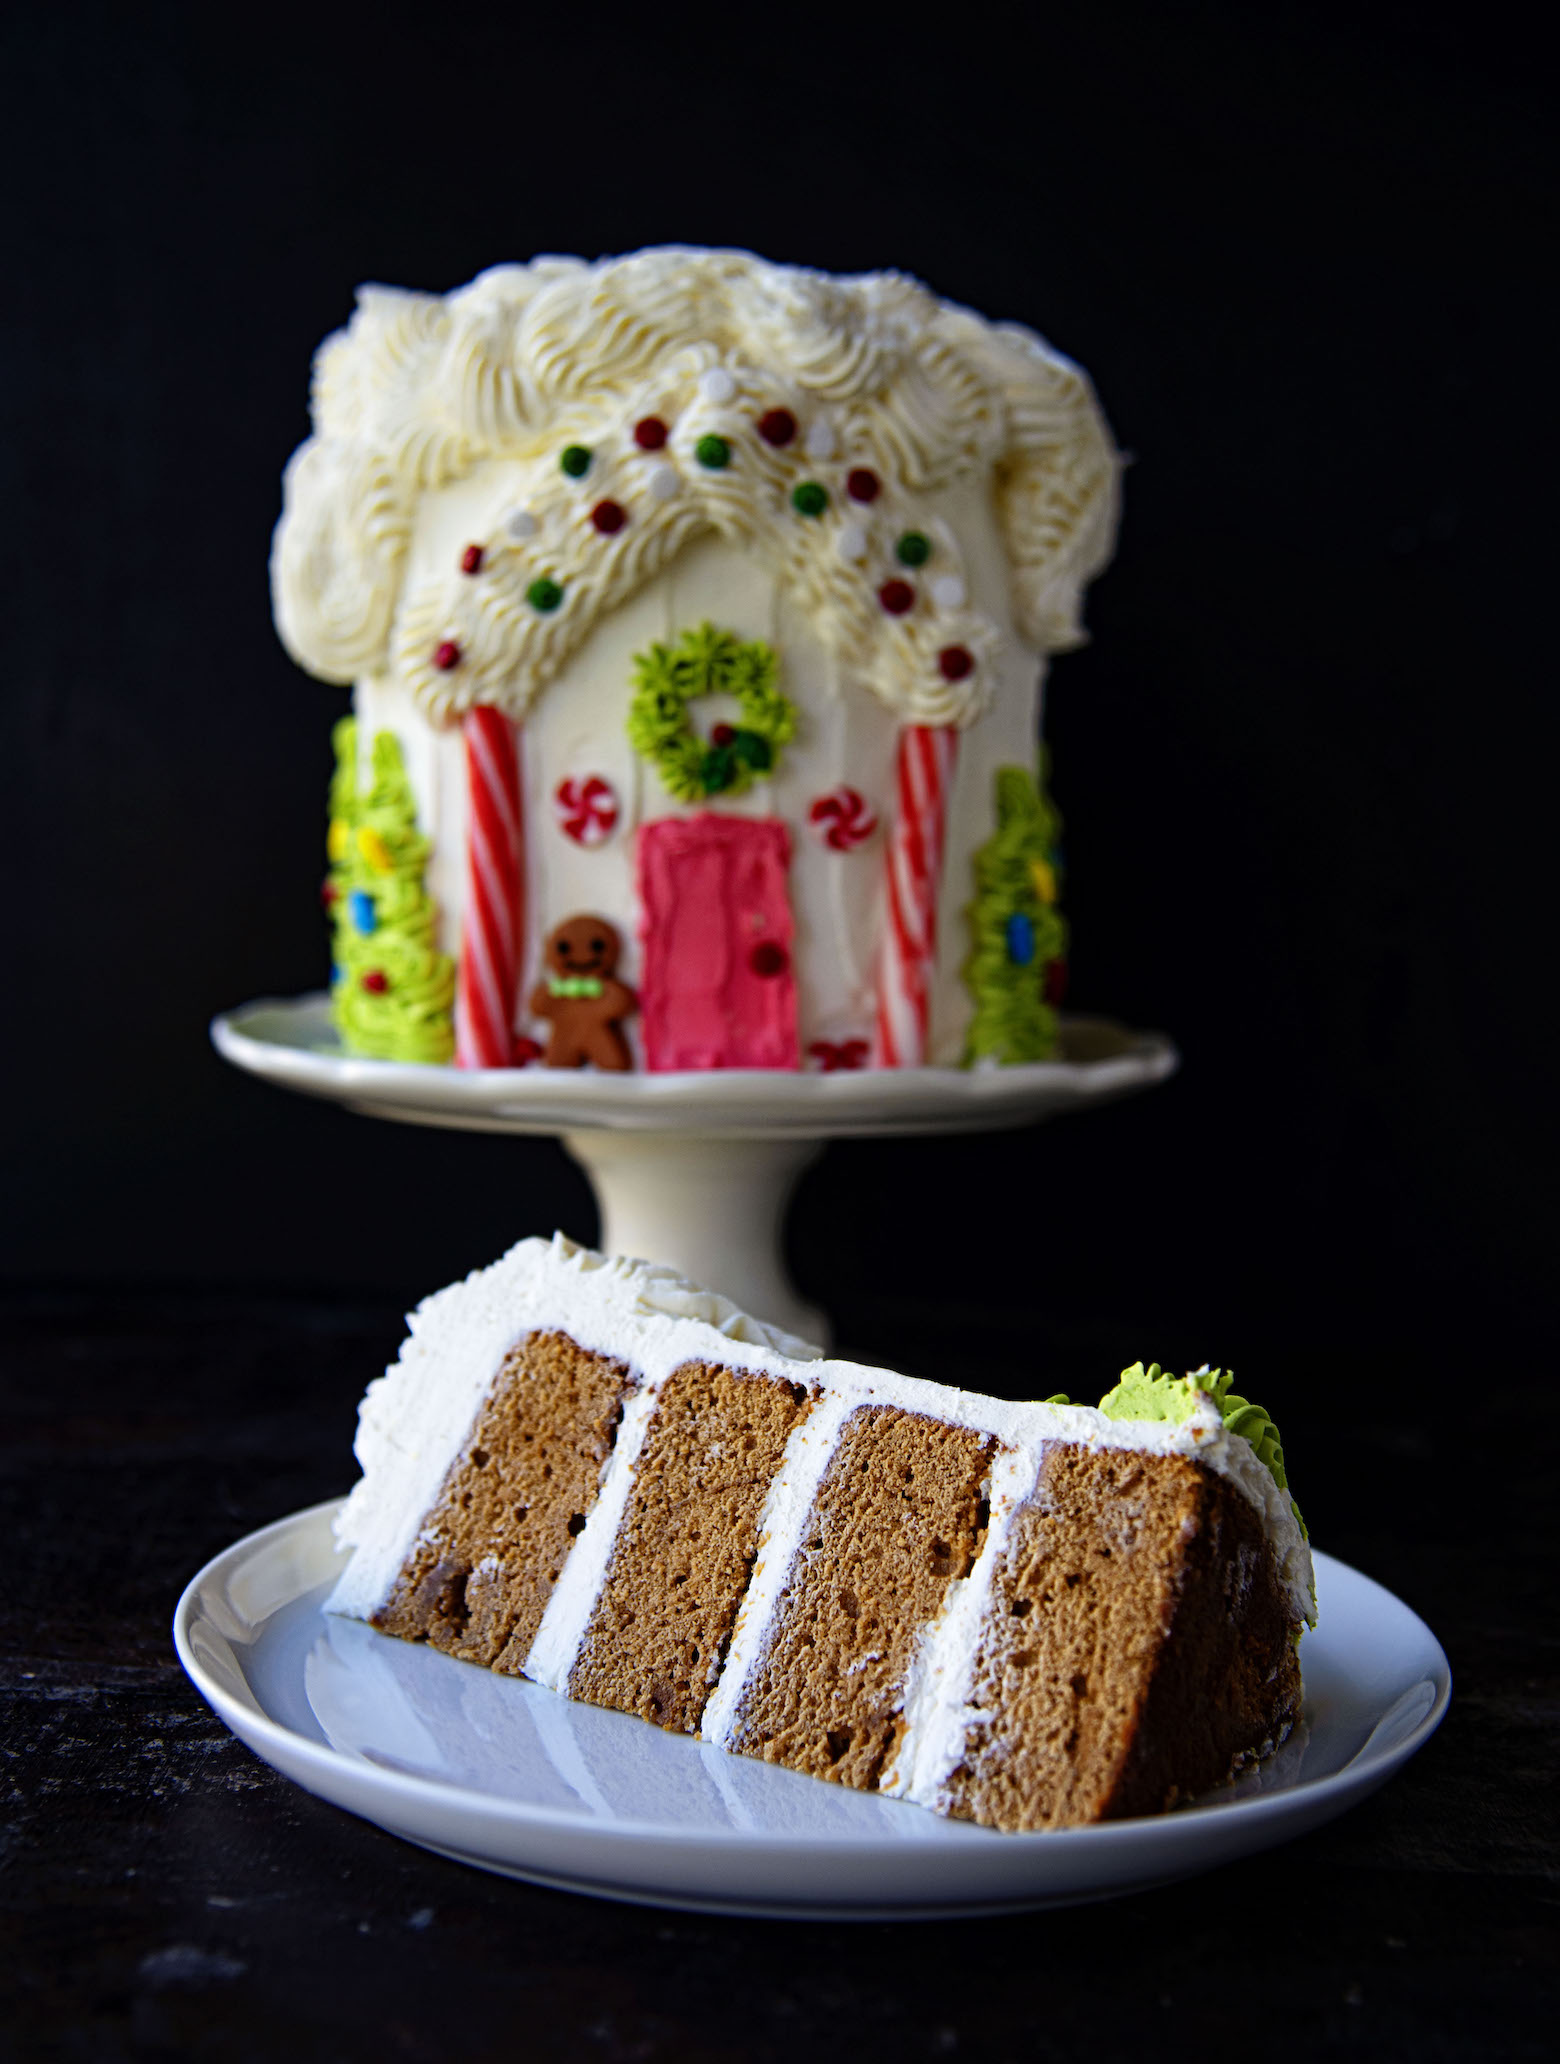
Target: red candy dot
447, 655
650, 433
375, 983
609, 517
896, 596
328, 892
957, 662
524, 1052
769, 959
862, 484
471, 559
777, 426
723, 734
1056, 981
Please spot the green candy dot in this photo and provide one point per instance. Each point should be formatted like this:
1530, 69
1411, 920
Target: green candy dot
575, 461
913, 549
544, 595
809, 499
713, 451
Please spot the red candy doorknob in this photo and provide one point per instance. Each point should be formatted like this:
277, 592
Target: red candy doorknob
768, 959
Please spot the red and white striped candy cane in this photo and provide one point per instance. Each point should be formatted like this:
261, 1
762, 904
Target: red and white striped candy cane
923, 780
495, 895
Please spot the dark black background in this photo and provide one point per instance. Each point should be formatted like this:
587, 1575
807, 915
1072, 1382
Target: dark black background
1304, 763
1307, 766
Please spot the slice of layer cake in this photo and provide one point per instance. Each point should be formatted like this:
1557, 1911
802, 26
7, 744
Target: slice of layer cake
592, 1474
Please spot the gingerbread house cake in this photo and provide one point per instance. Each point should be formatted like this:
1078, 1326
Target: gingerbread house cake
696, 612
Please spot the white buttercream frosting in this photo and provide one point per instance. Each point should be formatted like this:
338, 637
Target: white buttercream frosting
421, 392
416, 1420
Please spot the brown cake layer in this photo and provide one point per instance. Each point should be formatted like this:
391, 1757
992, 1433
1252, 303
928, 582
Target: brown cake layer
899, 1514
1138, 1646
686, 1544
490, 1549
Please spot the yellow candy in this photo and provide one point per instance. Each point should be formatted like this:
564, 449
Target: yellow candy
1043, 874
374, 849
336, 840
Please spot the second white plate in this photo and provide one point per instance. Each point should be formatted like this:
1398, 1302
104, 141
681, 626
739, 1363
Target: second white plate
504, 1775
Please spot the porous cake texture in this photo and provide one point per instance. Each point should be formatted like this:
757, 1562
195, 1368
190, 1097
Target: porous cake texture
593, 1474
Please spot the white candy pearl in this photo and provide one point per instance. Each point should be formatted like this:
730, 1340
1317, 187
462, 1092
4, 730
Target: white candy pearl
663, 481
852, 545
820, 441
717, 384
521, 524
948, 591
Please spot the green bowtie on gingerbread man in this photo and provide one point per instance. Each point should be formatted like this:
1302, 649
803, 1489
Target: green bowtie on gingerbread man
581, 998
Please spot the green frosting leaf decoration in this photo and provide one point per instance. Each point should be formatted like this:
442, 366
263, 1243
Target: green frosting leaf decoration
707, 661
382, 917
1156, 1396
1151, 1394
1017, 932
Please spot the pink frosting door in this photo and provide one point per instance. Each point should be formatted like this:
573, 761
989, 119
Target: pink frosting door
717, 989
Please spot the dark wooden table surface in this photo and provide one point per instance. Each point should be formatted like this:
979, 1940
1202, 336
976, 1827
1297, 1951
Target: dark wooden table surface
166, 1895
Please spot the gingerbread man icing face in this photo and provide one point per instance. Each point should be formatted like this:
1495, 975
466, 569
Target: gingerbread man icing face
582, 999
583, 946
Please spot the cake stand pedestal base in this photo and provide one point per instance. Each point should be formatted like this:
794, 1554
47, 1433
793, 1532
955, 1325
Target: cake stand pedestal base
713, 1209
695, 1170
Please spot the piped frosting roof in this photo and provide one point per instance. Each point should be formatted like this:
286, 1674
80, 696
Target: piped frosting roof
647, 400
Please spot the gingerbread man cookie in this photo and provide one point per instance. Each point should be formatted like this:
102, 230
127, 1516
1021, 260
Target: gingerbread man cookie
582, 999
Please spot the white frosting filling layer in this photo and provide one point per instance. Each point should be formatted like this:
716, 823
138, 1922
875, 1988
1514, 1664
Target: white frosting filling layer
416, 1420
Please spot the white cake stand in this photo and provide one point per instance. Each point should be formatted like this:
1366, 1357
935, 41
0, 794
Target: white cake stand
695, 1170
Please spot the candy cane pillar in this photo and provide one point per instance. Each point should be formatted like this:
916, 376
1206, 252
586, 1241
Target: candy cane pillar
923, 780
492, 941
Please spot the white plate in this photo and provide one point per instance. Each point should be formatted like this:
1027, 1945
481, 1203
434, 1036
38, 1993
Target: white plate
498, 1773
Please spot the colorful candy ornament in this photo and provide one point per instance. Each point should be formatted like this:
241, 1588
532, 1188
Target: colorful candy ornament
587, 808
843, 819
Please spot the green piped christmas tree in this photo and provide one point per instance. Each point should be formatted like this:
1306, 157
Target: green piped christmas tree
392, 991
1016, 968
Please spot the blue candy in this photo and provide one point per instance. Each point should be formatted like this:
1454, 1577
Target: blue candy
364, 915
1020, 939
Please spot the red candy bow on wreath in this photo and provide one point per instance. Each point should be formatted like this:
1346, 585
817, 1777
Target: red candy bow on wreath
850, 1053
587, 809
843, 819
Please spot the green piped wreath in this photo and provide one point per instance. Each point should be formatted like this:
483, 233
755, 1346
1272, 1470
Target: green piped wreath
708, 661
